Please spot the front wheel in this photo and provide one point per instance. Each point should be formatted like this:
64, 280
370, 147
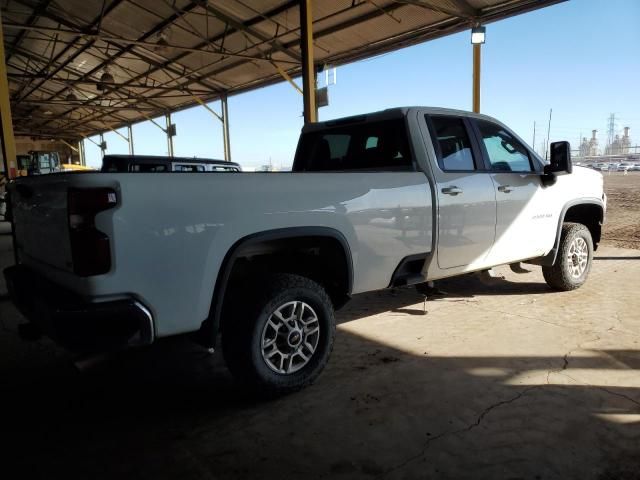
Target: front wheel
574, 259
281, 340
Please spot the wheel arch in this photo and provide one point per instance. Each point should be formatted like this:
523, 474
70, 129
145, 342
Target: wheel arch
587, 211
262, 243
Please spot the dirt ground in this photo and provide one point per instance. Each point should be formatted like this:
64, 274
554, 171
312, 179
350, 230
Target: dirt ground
622, 227
507, 380
501, 381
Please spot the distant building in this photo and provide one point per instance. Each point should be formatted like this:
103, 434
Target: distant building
584, 147
620, 145
625, 141
593, 144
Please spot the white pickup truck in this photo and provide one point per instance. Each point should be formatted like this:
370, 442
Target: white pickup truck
398, 197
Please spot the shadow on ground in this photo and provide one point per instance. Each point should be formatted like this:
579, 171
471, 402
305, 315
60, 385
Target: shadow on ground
385, 407
172, 411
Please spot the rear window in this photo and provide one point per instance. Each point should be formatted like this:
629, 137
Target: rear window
365, 146
188, 168
122, 165
148, 167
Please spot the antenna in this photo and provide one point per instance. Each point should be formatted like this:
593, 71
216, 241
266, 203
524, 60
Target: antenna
548, 131
534, 135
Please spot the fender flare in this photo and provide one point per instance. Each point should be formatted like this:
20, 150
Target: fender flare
550, 258
210, 327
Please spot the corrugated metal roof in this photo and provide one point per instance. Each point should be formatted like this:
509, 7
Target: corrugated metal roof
163, 53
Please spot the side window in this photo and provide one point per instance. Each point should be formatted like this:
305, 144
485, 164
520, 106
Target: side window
453, 144
147, 168
506, 154
44, 161
372, 146
338, 145
188, 168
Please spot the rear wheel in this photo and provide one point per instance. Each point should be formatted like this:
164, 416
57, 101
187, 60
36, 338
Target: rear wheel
281, 340
574, 259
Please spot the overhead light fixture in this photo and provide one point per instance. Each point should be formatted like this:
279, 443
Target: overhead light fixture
48, 112
106, 77
478, 34
163, 41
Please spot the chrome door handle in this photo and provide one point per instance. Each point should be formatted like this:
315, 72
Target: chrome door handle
451, 190
505, 188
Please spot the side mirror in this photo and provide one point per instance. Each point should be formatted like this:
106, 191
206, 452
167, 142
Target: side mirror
560, 159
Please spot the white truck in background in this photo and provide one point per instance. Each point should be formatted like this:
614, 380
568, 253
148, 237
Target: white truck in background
398, 197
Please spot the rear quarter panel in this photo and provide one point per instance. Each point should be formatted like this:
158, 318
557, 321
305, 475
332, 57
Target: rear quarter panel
170, 232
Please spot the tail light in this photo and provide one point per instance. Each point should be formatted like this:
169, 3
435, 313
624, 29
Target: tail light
90, 250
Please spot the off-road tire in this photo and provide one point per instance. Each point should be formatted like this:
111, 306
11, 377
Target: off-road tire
243, 330
559, 275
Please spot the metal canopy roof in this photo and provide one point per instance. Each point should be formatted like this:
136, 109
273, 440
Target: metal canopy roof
164, 55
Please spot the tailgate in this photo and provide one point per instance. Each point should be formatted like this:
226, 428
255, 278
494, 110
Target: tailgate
39, 208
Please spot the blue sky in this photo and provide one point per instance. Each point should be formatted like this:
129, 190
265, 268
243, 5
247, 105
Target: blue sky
579, 58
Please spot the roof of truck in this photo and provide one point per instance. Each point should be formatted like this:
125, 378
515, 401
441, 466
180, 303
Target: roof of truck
390, 114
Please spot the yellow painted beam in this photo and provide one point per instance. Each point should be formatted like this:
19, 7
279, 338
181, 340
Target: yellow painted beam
119, 134
476, 77
211, 110
75, 149
152, 121
92, 141
8, 141
287, 77
308, 67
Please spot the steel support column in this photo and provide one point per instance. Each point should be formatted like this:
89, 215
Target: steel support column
81, 154
477, 49
167, 120
8, 141
225, 127
308, 69
130, 138
102, 145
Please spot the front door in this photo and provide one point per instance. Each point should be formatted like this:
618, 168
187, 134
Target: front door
466, 197
520, 196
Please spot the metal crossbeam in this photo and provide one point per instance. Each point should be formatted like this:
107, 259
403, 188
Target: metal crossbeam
238, 25
79, 51
462, 8
211, 40
128, 41
41, 7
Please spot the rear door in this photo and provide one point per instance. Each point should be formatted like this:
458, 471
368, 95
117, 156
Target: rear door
522, 217
466, 196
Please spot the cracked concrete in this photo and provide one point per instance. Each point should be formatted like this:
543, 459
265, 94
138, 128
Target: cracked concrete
507, 380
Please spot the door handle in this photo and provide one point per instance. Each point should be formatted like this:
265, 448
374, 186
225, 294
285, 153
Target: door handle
451, 190
505, 188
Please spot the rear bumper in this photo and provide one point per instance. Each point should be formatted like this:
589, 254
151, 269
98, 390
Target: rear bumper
74, 322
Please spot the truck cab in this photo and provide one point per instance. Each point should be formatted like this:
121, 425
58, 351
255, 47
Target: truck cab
38, 163
160, 164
